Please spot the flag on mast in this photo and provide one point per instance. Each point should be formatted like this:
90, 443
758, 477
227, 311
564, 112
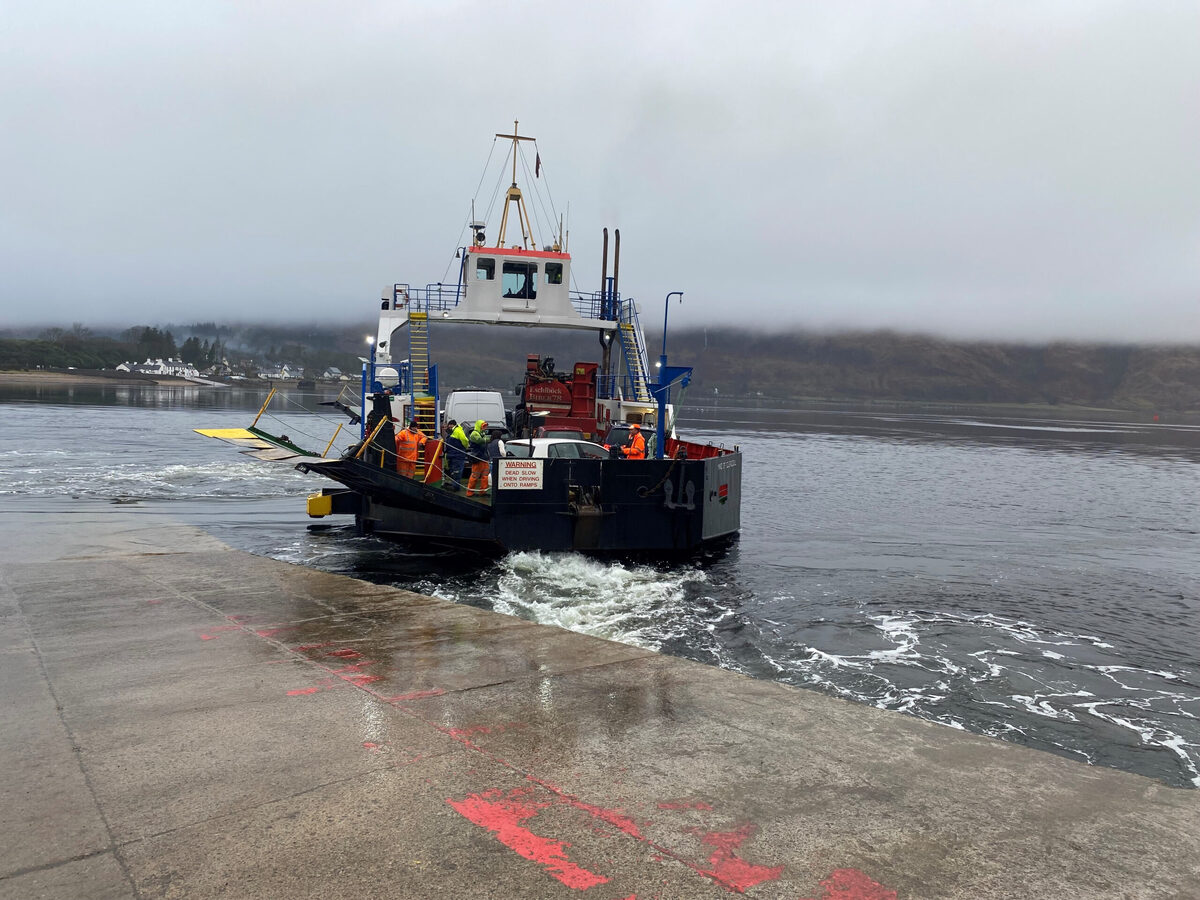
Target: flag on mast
537, 165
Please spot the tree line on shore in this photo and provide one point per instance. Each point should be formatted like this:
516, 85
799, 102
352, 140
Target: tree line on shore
206, 344
729, 362
80, 348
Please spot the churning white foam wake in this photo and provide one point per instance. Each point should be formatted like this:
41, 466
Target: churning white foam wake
623, 602
235, 478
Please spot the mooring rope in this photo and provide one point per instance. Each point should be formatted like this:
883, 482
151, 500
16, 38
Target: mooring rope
644, 492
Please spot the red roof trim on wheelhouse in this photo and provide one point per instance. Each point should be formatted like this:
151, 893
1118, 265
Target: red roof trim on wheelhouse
517, 251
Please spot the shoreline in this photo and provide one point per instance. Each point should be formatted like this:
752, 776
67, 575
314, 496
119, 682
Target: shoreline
60, 377
50, 376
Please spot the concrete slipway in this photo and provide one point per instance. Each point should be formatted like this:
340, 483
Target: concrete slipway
180, 719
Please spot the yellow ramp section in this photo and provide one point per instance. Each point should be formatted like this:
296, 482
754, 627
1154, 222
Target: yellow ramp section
238, 436
224, 433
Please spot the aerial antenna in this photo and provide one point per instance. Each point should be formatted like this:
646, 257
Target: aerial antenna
477, 235
514, 196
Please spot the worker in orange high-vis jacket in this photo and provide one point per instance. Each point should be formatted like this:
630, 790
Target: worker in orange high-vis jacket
480, 466
409, 443
636, 448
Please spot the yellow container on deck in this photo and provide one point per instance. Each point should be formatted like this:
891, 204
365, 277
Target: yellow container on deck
320, 504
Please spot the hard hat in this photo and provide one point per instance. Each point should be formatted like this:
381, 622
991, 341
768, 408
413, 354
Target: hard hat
636, 427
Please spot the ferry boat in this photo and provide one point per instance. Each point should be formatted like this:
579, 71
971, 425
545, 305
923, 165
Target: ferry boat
681, 497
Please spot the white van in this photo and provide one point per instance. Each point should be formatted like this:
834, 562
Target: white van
468, 407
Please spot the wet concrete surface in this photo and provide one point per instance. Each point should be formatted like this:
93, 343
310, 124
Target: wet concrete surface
179, 719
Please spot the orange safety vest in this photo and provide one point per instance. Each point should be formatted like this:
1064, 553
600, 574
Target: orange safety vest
636, 448
407, 443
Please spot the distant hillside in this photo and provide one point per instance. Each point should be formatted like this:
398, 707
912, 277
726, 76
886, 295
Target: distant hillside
886, 366
729, 362
859, 367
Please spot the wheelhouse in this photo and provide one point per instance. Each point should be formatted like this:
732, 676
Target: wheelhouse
515, 282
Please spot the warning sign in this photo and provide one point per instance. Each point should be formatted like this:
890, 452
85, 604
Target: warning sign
520, 475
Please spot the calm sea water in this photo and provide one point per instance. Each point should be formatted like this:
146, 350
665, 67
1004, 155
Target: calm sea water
1038, 581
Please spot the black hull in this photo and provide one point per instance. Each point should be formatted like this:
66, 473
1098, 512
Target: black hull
666, 507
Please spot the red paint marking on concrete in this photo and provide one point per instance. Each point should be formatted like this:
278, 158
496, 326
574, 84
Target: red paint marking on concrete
663, 853
212, 637
686, 804
415, 695
726, 869
340, 654
354, 667
271, 632
154, 602
459, 733
731, 870
304, 648
299, 692
502, 815
372, 746
363, 679
614, 817
852, 884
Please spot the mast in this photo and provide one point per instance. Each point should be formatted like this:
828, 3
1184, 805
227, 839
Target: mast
514, 196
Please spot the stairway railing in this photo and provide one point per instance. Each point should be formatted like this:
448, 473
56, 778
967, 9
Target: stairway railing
633, 349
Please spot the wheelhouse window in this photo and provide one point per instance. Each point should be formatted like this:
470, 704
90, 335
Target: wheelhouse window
520, 280
554, 273
485, 269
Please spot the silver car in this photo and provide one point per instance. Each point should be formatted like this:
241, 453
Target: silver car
554, 448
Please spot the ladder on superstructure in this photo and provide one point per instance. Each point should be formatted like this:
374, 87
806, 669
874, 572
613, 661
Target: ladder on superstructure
423, 402
633, 348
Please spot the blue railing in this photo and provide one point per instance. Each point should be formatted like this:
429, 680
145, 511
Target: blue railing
633, 348
431, 298
405, 371
589, 306
436, 298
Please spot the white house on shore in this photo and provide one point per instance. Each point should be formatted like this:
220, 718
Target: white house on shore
176, 367
285, 372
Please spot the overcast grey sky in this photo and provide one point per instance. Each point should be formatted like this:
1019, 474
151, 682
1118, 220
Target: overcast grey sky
988, 170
